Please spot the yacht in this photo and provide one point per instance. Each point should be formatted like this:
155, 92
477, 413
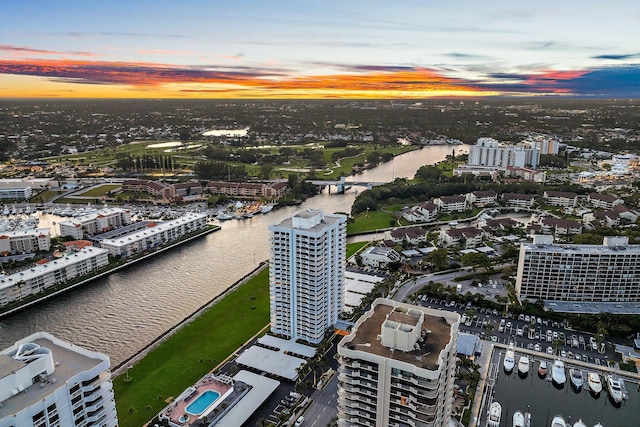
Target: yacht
557, 373
223, 216
598, 425
625, 393
558, 421
579, 423
523, 365
509, 359
495, 413
518, 419
576, 377
543, 369
267, 208
595, 385
615, 390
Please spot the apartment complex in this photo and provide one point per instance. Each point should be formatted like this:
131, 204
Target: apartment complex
16, 193
249, 190
21, 241
96, 223
41, 277
155, 234
306, 274
45, 381
489, 152
591, 273
397, 367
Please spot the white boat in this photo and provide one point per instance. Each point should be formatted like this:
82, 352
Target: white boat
625, 393
576, 377
267, 208
543, 369
557, 372
523, 364
615, 390
579, 423
223, 216
509, 359
518, 419
558, 421
598, 425
595, 385
495, 413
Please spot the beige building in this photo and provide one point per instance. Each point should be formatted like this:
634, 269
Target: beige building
397, 367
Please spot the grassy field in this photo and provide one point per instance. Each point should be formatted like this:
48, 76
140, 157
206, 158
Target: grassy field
352, 248
99, 191
193, 351
44, 196
370, 221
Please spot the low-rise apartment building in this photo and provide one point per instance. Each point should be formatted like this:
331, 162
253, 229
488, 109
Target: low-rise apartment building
518, 200
41, 277
25, 241
561, 198
100, 222
249, 190
155, 234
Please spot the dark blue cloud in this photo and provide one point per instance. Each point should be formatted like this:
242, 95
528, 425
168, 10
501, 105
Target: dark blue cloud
618, 57
616, 82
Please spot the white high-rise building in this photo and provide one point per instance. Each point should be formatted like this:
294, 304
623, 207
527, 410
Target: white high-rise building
489, 152
397, 367
306, 274
45, 381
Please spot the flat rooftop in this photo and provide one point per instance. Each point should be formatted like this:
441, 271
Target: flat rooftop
436, 332
68, 363
586, 307
261, 389
582, 249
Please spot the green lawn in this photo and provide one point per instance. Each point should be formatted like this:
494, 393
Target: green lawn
370, 221
352, 248
186, 356
44, 196
99, 191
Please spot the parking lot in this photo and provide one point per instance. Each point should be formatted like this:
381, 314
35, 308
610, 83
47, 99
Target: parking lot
537, 334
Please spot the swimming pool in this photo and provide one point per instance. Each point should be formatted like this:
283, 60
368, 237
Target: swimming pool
202, 402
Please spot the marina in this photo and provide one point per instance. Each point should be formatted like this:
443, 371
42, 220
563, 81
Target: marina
546, 402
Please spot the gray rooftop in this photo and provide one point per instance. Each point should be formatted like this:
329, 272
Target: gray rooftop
261, 389
68, 363
593, 307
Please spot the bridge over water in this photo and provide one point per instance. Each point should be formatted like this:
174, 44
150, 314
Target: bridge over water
343, 184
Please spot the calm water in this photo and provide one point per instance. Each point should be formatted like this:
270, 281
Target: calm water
545, 401
121, 314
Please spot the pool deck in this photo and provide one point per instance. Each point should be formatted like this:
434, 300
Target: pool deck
176, 412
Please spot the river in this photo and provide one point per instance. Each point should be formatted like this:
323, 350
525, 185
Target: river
121, 314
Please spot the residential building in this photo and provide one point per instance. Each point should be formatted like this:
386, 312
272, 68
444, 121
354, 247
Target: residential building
481, 198
21, 241
249, 190
411, 235
527, 174
592, 273
603, 201
517, 200
155, 234
559, 226
614, 217
561, 198
489, 152
106, 219
397, 367
424, 212
306, 274
155, 188
466, 237
16, 193
189, 188
544, 144
449, 204
41, 277
379, 257
50, 382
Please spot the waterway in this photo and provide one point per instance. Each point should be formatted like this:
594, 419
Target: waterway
121, 314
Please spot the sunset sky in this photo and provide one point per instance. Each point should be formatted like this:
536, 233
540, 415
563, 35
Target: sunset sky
319, 49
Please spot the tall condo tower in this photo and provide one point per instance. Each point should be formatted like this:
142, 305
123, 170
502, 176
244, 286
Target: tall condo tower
306, 274
397, 367
45, 381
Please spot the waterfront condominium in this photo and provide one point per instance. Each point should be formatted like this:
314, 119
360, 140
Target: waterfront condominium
45, 381
397, 367
306, 274
582, 273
